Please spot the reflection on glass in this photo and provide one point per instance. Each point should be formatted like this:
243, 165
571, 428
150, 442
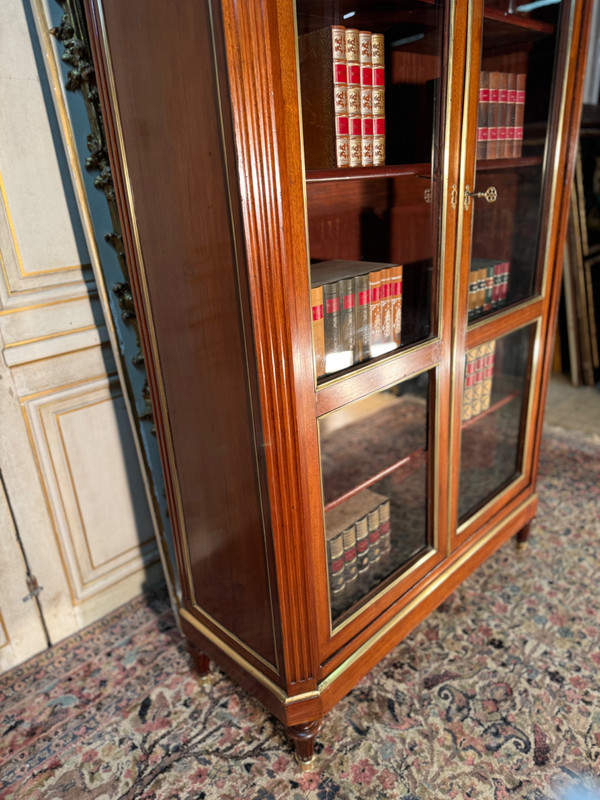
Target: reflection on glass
493, 412
518, 51
365, 68
374, 472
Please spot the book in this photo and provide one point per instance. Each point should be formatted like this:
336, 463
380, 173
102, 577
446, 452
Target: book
492, 116
482, 114
350, 555
331, 327
519, 115
335, 560
502, 114
479, 361
385, 527
347, 301
397, 304
469, 383
318, 329
376, 337
385, 293
378, 98
510, 113
362, 329
324, 93
354, 115
366, 95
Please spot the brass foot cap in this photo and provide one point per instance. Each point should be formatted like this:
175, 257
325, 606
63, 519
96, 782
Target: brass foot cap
305, 766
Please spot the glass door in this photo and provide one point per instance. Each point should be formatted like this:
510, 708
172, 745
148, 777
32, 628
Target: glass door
373, 88
508, 204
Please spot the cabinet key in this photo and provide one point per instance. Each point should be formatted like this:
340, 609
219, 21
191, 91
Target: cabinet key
490, 194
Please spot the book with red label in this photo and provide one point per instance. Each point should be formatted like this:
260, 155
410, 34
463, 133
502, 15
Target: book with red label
347, 300
397, 304
519, 115
362, 328
378, 98
502, 115
324, 91
331, 326
468, 395
366, 95
376, 337
387, 320
354, 114
318, 329
511, 104
482, 114
492, 116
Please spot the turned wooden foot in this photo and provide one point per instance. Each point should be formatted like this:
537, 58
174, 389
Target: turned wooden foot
200, 661
522, 536
304, 739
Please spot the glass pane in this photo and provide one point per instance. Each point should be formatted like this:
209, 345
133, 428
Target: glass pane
518, 51
494, 407
365, 68
374, 471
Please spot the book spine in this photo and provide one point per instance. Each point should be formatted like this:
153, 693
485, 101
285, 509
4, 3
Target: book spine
492, 147
480, 294
374, 534
354, 115
350, 556
374, 309
387, 330
482, 114
318, 328
397, 303
519, 115
489, 288
378, 99
497, 290
340, 93
502, 114
335, 564
478, 380
346, 302
467, 409
510, 114
488, 374
362, 545
385, 528
505, 269
331, 324
366, 96
472, 297
361, 318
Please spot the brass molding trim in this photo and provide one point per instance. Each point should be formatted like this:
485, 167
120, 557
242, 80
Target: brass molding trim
255, 673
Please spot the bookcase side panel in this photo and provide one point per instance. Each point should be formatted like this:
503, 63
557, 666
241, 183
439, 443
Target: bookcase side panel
160, 76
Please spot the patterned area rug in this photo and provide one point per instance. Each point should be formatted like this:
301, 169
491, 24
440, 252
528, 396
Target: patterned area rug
496, 695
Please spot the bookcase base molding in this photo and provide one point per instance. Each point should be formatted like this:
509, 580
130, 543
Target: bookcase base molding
302, 714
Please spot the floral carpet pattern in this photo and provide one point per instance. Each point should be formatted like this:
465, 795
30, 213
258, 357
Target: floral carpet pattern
496, 695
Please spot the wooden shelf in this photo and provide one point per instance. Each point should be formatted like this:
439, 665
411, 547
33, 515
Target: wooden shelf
518, 23
407, 460
360, 173
494, 164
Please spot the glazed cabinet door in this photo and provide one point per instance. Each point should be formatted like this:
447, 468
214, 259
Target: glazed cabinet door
376, 82
516, 124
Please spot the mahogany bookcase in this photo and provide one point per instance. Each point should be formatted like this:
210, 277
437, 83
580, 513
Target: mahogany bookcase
273, 465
